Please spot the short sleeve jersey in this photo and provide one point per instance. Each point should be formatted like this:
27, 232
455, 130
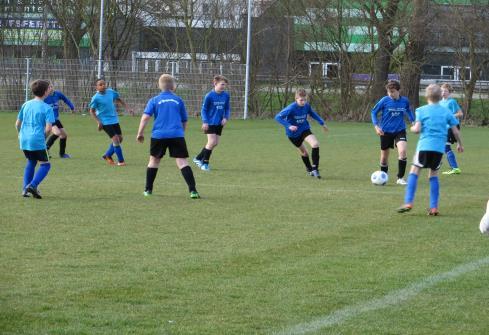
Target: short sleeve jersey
434, 121
53, 101
104, 106
169, 114
34, 114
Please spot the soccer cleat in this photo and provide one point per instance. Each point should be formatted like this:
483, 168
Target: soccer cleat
121, 163
401, 181
194, 195
33, 190
453, 171
205, 167
25, 194
148, 193
309, 173
433, 212
315, 173
197, 162
109, 160
405, 208
64, 156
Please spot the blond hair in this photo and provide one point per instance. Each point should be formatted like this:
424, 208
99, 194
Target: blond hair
166, 82
300, 93
433, 93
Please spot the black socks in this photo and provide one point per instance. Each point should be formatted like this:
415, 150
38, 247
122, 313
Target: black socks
402, 168
189, 178
150, 178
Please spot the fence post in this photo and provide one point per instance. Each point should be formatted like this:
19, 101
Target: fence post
27, 78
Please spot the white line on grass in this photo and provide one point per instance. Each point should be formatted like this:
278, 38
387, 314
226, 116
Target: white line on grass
391, 299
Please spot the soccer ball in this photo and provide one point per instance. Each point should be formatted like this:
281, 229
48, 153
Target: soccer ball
484, 225
379, 178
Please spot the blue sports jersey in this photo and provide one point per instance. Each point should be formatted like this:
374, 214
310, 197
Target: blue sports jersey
34, 114
393, 112
295, 115
169, 113
104, 106
434, 122
451, 104
53, 101
215, 108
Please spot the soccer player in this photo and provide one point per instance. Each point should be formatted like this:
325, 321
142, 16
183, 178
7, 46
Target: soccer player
453, 106
392, 128
33, 123
103, 110
431, 122
170, 121
297, 128
215, 114
58, 130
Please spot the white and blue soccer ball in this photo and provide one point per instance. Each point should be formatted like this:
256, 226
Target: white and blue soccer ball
484, 225
379, 178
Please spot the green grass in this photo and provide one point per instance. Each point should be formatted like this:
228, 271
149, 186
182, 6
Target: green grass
265, 249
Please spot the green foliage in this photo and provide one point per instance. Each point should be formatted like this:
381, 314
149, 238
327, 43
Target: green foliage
266, 247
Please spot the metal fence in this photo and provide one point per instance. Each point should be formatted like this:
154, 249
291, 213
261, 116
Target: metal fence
136, 83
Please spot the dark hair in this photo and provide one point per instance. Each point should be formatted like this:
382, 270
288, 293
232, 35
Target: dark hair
218, 78
39, 87
99, 79
393, 84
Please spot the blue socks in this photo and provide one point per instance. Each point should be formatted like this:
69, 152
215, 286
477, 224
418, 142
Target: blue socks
29, 172
412, 183
452, 161
41, 173
118, 152
434, 192
110, 151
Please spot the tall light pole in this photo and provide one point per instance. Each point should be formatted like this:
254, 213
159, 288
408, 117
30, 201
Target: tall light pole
100, 39
248, 53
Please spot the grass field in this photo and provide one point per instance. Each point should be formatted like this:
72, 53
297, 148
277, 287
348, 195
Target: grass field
267, 250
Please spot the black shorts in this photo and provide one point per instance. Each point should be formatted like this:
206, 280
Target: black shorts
214, 129
58, 124
37, 155
112, 129
177, 147
388, 140
297, 141
451, 138
428, 159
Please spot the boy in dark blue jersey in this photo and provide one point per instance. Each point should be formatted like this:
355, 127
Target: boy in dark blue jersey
453, 106
170, 121
392, 128
103, 110
58, 130
33, 123
294, 119
215, 114
431, 123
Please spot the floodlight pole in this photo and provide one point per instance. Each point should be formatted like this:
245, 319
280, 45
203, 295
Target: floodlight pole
100, 39
248, 53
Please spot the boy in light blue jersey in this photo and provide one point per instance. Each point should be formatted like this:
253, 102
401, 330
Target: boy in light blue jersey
215, 114
453, 106
103, 110
294, 119
431, 122
33, 123
170, 121
58, 130
392, 128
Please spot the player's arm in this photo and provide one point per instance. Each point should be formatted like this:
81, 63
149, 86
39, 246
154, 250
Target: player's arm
183, 115
18, 124
375, 121
94, 116
282, 119
142, 124
456, 134
122, 103
204, 113
459, 114
318, 118
67, 102
227, 112
416, 128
